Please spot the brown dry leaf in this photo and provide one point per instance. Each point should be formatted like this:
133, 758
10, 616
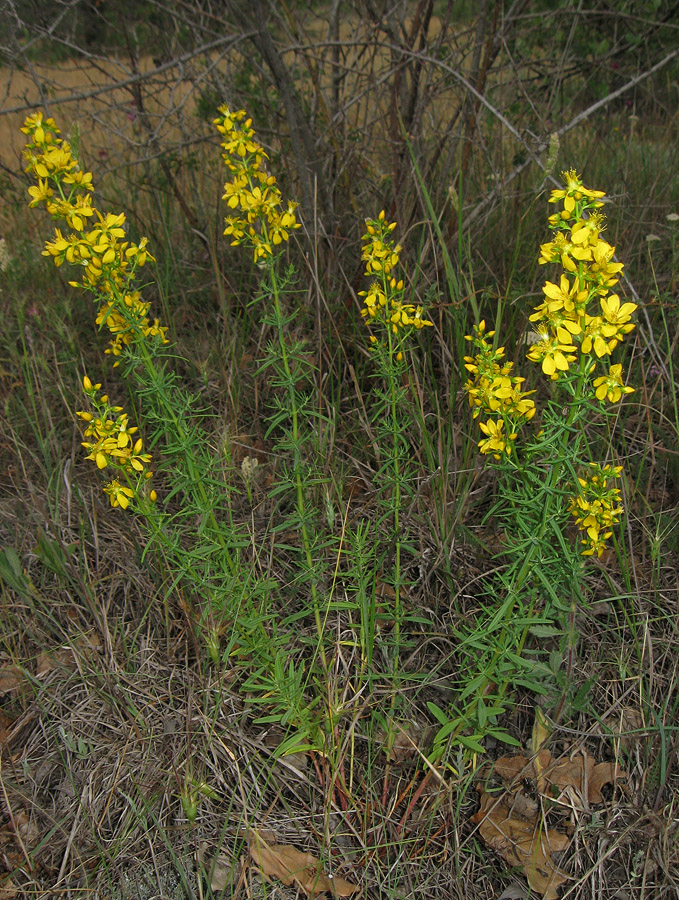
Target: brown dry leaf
509, 768
522, 842
7, 888
88, 641
403, 746
291, 866
626, 722
512, 824
224, 872
65, 657
11, 679
603, 773
384, 591
56, 659
5, 726
569, 776
582, 774
554, 776
523, 804
23, 830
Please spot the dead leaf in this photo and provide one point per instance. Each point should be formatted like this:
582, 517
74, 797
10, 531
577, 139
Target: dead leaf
603, 773
56, 659
292, 866
628, 723
224, 872
512, 823
7, 888
581, 773
578, 775
22, 830
5, 726
513, 891
522, 842
509, 768
65, 657
400, 745
11, 679
402, 749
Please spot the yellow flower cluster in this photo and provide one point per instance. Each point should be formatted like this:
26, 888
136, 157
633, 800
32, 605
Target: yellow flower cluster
565, 319
95, 242
384, 298
260, 219
493, 389
112, 445
597, 507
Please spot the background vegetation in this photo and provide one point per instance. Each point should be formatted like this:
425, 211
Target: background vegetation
134, 761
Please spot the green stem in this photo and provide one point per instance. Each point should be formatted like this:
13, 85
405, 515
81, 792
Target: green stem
556, 474
297, 462
396, 497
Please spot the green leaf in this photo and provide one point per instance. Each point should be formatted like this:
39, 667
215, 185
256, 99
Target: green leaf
503, 737
545, 631
473, 685
438, 713
443, 733
471, 743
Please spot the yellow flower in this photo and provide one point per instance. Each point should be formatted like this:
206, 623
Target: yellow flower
81, 179
100, 451
35, 122
105, 233
132, 457
564, 296
375, 300
500, 393
138, 253
597, 507
89, 387
598, 337
118, 494
610, 386
497, 442
564, 251
107, 261
559, 310
252, 192
418, 321
227, 120
575, 190
617, 314
40, 192
553, 354
74, 214
586, 231
380, 253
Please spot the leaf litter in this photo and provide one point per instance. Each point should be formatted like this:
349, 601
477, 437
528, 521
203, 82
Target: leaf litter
294, 867
287, 864
512, 822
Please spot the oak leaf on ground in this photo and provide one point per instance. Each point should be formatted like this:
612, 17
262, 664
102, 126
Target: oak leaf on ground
293, 867
522, 842
554, 776
512, 823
